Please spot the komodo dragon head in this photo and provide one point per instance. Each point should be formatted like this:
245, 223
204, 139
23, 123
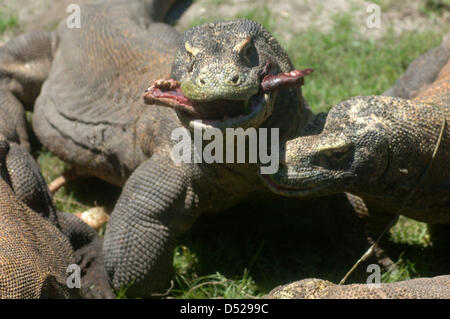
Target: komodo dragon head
226, 74
365, 145
348, 150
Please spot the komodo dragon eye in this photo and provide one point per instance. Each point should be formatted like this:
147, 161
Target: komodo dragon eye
244, 49
335, 157
191, 52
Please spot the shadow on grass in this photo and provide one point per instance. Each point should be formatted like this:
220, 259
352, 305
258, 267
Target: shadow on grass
279, 243
416, 260
92, 192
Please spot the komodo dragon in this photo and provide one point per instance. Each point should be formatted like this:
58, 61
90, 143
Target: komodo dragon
419, 288
37, 242
379, 148
34, 254
392, 152
87, 84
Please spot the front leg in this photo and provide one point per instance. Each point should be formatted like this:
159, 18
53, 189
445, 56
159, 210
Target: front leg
156, 206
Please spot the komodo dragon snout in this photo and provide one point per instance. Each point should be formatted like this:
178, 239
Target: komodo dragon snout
351, 151
224, 75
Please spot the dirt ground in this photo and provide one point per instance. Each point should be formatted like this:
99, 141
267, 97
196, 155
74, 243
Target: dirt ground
290, 16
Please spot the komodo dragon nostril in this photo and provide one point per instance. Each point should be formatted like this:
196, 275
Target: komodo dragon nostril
235, 79
201, 81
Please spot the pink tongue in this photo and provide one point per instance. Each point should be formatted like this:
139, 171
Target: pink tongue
284, 80
165, 92
168, 92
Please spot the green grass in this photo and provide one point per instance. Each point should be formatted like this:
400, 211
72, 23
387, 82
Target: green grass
8, 20
248, 250
347, 63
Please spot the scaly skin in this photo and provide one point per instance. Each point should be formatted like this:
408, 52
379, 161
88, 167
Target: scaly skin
420, 288
36, 246
379, 148
34, 253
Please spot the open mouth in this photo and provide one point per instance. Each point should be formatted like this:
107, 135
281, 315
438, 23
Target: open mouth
286, 190
282, 189
222, 113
